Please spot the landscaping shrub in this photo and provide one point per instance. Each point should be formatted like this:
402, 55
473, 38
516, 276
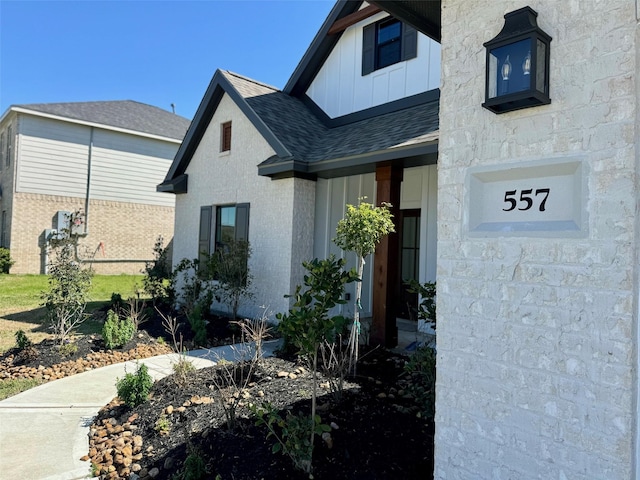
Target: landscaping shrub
116, 332
194, 468
198, 325
157, 274
427, 306
22, 341
134, 388
5, 260
421, 368
229, 266
308, 325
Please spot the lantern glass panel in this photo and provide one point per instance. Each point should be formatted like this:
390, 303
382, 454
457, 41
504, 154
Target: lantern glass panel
509, 68
540, 72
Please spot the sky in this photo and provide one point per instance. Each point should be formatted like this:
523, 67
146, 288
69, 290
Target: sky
155, 52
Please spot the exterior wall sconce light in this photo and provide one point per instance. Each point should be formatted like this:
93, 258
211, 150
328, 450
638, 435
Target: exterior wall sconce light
517, 64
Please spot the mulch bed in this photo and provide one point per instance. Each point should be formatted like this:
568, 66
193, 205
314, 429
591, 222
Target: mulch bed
376, 433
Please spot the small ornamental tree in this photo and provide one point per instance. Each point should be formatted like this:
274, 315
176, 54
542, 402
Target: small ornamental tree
69, 282
360, 231
308, 324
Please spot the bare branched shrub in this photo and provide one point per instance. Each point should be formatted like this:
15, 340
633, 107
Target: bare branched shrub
135, 312
232, 378
255, 331
183, 367
334, 364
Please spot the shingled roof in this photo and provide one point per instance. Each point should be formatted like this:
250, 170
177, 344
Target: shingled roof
124, 114
303, 142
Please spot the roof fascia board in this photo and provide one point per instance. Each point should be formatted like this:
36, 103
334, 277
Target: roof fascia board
396, 105
350, 162
176, 185
319, 50
103, 126
375, 157
218, 86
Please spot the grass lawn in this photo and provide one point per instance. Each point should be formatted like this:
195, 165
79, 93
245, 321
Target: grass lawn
20, 303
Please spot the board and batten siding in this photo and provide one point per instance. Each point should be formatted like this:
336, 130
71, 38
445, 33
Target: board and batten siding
340, 88
54, 160
418, 190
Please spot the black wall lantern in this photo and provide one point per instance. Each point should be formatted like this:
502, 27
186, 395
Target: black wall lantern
517, 64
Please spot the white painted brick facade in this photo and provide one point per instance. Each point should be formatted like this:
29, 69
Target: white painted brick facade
280, 240
537, 347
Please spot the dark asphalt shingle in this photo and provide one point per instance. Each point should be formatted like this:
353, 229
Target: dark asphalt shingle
126, 114
309, 140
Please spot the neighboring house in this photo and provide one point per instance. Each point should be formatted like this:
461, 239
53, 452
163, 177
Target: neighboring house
538, 363
101, 158
286, 162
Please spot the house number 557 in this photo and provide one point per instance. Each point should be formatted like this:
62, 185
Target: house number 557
526, 199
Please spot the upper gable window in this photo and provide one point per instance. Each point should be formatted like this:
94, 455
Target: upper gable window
387, 42
225, 137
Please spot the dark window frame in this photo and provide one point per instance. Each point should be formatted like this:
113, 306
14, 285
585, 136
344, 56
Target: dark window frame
209, 229
225, 137
371, 46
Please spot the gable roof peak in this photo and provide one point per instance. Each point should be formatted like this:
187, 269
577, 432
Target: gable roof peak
230, 75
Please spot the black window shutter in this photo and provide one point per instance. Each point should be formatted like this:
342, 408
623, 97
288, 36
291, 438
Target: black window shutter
242, 222
409, 42
368, 49
204, 237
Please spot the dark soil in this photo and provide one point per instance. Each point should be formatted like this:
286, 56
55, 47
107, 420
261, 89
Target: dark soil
376, 434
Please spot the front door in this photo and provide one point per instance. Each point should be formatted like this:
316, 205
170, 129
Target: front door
409, 259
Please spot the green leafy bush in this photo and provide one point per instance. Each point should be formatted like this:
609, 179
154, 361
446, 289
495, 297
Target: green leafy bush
293, 433
421, 368
5, 260
427, 306
116, 332
157, 273
198, 326
194, 468
22, 341
230, 267
68, 349
134, 388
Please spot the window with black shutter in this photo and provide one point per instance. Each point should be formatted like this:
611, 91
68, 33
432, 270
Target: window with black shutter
387, 42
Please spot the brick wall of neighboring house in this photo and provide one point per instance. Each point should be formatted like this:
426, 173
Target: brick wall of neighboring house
537, 347
127, 232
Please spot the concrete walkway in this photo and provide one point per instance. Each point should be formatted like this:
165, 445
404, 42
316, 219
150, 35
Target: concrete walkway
44, 431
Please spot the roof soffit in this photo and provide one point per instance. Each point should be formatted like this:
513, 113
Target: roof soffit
424, 15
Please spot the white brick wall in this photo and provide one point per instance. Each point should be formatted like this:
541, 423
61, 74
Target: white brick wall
536, 336
279, 240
